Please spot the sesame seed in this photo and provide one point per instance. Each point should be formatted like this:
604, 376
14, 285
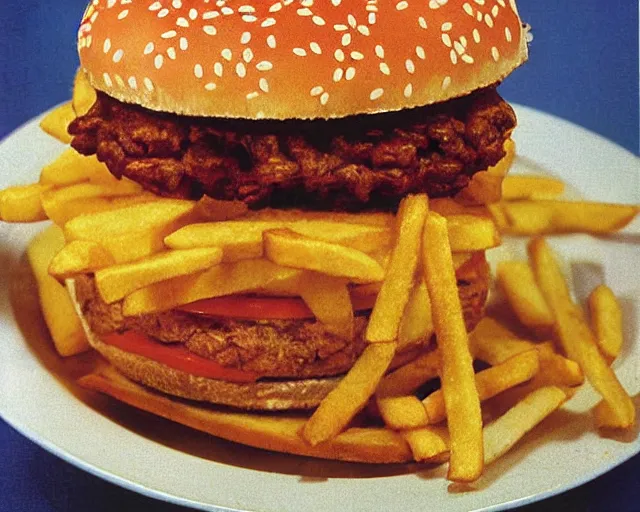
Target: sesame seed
422, 22
336, 3
337, 74
376, 93
324, 98
315, 48
453, 56
459, 48
193, 14
379, 51
306, 3
420, 52
479, 2
252, 95
171, 53
356, 55
226, 11
479, 16
351, 19
401, 6
169, 34
372, 18
467, 58
133, 83
177, 4
264, 65
495, 53
269, 22
226, 54
316, 91
467, 8
198, 71
340, 28
111, 3
107, 80
350, 73
246, 9
300, 52
155, 6
476, 35
148, 84
433, 4
384, 68
271, 41
446, 39
209, 15
494, 11
263, 84
488, 20
210, 86
247, 55
304, 12
446, 82
339, 55
149, 48
184, 44
463, 41
446, 26
408, 91
364, 30
123, 14
245, 37
410, 66
210, 30
319, 20
275, 7
501, 2
163, 13
346, 39
217, 69
241, 70
107, 45
507, 34
157, 62
117, 56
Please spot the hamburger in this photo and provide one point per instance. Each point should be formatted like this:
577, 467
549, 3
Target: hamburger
290, 107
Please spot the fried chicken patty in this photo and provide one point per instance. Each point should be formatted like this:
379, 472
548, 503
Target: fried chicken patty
270, 348
364, 161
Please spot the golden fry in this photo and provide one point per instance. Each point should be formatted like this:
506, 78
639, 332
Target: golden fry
393, 297
428, 444
486, 186
576, 337
22, 203
606, 321
71, 167
329, 300
84, 96
521, 186
402, 412
406, 379
78, 257
352, 393
416, 323
457, 377
472, 233
55, 123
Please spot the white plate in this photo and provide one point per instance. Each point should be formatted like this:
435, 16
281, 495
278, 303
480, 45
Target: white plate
159, 459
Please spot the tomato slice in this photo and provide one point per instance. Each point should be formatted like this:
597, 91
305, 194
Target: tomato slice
245, 307
176, 356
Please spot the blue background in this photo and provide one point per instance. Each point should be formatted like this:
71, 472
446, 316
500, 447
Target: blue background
583, 67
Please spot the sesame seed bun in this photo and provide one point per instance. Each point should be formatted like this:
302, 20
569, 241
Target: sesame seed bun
297, 59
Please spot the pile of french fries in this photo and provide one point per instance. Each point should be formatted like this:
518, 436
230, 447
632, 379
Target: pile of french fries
157, 254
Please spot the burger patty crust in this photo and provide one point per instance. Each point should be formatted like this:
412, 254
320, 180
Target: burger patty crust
364, 161
270, 348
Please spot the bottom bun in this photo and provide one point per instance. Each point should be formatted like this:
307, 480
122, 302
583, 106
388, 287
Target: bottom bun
276, 432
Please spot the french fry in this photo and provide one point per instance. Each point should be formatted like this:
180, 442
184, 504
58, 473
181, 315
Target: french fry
402, 412
84, 96
55, 123
490, 382
135, 245
518, 283
519, 186
329, 300
22, 203
457, 377
289, 249
393, 297
408, 378
446, 206
577, 339
61, 211
486, 186
550, 216
78, 257
116, 281
428, 444
416, 323
103, 225
56, 198
243, 239
381, 220
501, 435
223, 279
606, 321
71, 167
59, 313
352, 393
471, 233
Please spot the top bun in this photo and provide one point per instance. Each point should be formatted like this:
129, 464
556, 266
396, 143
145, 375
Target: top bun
297, 59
